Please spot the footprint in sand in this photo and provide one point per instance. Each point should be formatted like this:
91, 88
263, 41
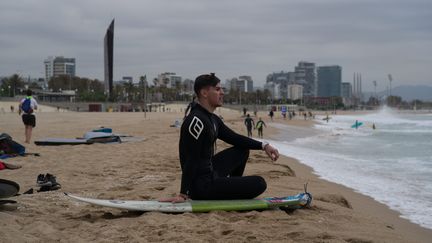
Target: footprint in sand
334, 199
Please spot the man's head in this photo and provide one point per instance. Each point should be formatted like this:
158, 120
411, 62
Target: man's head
204, 81
208, 90
29, 92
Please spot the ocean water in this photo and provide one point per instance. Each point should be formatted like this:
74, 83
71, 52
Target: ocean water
392, 164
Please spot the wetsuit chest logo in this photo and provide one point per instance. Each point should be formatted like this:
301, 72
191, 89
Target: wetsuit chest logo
196, 127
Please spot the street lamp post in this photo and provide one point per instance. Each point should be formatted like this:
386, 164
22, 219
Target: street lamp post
390, 81
375, 85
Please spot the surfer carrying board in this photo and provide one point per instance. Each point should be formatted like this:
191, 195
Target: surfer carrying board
210, 176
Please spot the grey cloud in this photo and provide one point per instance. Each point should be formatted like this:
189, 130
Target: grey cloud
230, 37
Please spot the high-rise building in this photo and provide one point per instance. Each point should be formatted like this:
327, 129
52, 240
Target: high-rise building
346, 91
305, 75
274, 89
242, 83
295, 91
169, 80
248, 82
329, 81
55, 66
281, 79
109, 59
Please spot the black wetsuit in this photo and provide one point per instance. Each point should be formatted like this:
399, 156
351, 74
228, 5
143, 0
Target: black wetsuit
207, 175
249, 122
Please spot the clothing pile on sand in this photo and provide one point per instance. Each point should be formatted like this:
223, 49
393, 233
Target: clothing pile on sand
8, 189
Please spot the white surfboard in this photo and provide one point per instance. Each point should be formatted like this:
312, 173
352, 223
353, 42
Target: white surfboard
297, 201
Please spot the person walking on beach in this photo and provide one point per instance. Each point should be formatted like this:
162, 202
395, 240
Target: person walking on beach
210, 176
27, 107
249, 123
271, 114
259, 125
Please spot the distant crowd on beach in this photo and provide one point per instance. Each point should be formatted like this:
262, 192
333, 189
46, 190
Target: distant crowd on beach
250, 123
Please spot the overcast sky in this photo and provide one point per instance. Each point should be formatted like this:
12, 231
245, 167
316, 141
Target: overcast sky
228, 37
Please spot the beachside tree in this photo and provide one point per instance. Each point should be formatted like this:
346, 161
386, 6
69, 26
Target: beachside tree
394, 100
12, 84
129, 89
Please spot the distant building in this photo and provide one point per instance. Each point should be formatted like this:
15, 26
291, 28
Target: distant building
274, 89
56, 66
127, 79
281, 80
295, 91
329, 81
305, 76
242, 83
188, 86
248, 82
169, 80
347, 93
109, 59
346, 90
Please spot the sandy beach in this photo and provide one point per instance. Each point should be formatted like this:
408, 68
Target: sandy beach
149, 169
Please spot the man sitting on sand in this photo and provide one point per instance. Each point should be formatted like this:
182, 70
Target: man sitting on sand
206, 175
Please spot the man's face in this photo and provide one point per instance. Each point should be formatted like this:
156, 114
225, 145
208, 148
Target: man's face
215, 95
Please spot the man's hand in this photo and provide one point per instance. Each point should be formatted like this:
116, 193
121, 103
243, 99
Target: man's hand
177, 199
272, 152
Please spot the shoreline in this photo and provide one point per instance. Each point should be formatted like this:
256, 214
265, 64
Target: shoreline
359, 202
149, 169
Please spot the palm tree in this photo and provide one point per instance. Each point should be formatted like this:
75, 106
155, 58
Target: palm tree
129, 88
143, 88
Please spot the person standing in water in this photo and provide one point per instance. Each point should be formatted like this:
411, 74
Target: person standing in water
249, 123
271, 114
259, 125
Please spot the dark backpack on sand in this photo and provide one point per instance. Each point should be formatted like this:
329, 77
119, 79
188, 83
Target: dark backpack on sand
26, 106
9, 146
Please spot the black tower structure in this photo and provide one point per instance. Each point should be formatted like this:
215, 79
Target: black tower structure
108, 59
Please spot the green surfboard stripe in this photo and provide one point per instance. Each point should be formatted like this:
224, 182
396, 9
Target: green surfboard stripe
228, 205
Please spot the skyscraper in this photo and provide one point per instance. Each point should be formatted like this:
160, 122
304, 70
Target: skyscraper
109, 58
329, 81
346, 91
56, 66
305, 75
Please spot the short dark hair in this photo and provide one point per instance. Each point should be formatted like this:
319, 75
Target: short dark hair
29, 92
205, 80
